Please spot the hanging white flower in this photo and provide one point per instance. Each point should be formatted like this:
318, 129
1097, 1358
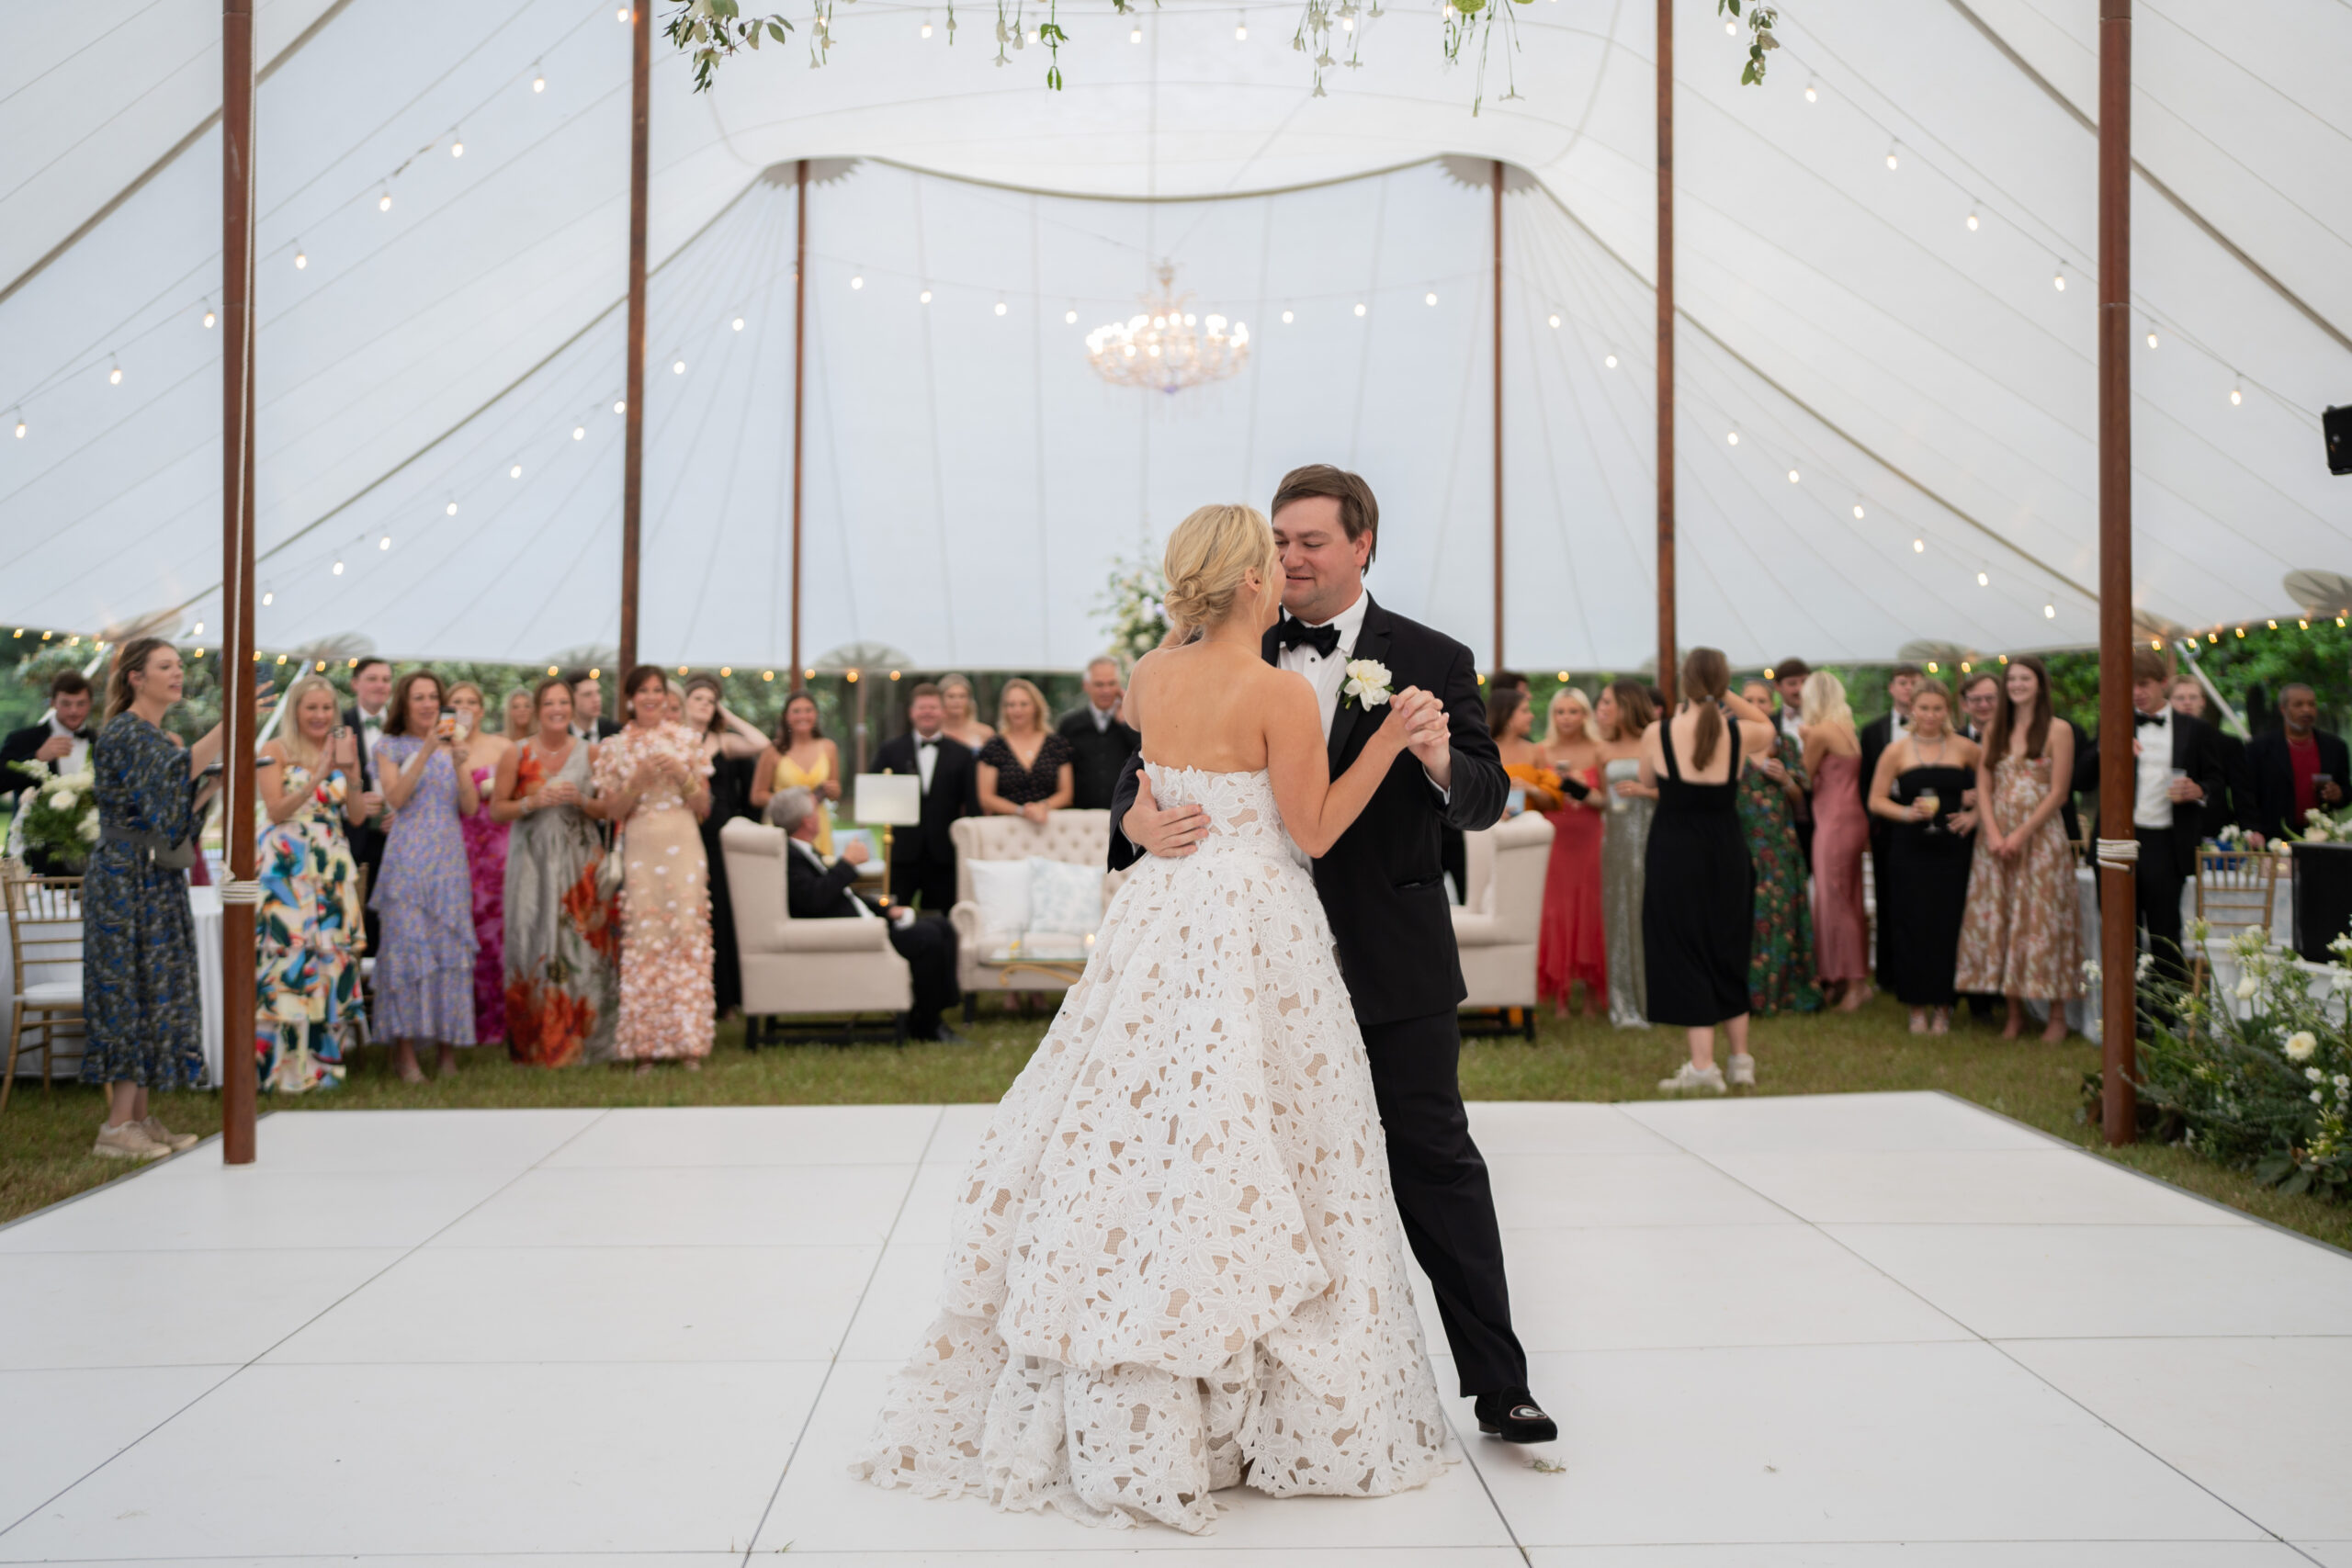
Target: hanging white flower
2300, 1045
2312, 1074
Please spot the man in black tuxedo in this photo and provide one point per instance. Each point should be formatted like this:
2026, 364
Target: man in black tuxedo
1902, 683
2235, 803
1100, 741
2178, 769
60, 743
2284, 767
588, 720
923, 858
1384, 896
815, 891
371, 687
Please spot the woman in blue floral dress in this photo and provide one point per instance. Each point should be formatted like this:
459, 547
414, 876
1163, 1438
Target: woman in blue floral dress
138, 991
424, 973
307, 932
1779, 953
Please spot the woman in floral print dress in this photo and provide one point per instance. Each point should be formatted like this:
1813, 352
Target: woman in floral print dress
1779, 954
307, 932
561, 930
2018, 938
653, 784
424, 973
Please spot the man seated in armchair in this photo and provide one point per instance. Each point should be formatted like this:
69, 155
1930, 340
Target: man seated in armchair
816, 891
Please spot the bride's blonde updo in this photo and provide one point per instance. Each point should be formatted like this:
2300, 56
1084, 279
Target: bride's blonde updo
1208, 556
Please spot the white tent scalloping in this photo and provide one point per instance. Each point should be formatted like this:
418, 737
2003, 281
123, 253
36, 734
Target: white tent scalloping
969, 479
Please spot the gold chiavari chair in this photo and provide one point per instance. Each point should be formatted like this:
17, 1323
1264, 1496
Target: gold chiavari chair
44, 916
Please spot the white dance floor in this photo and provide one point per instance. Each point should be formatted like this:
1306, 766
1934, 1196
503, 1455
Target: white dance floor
1840, 1330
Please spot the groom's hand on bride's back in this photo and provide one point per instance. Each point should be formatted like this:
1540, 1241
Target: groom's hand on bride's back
1173, 833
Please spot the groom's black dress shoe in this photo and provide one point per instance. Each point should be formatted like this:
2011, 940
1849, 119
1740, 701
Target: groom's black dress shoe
1515, 1417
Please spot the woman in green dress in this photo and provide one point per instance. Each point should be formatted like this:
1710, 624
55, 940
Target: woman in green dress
1779, 954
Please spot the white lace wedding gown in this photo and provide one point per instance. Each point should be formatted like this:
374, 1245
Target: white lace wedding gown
1177, 1263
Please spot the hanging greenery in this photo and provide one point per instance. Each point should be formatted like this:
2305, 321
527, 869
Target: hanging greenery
710, 30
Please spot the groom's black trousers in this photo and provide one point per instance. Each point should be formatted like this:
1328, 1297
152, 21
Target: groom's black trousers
1443, 1196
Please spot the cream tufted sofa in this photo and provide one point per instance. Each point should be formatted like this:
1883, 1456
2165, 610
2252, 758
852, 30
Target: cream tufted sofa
1502, 912
803, 966
1077, 838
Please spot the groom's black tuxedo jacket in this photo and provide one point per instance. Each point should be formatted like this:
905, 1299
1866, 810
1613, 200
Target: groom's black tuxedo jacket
1382, 884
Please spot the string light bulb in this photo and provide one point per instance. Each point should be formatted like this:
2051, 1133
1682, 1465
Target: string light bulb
1070, 318
1733, 438
1429, 299
678, 367
738, 323
857, 280
620, 405
1812, 94
2236, 396
20, 429
268, 599
2049, 611
1793, 476
1001, 307
1286, 318
1918, 547
516, 472
1553, 320
2152, 338
1984, 581
114, 376
1360, 309
622, 16
538, 81
1971, 220
1892, 160
1730, 29
2058, 279
384, 202
456, 147
385, 543
926, 23
451, 510
338, 568
1134, 34
579, 433
1610, 361
210, 317
1858, 512
1242, 28
300, 260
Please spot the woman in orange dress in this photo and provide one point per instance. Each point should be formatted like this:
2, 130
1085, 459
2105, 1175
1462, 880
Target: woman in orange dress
1574, 945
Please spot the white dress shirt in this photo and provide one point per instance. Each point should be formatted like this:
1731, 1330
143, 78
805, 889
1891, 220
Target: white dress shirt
2152, 803
75, 760
1327, 675
1102, 718
372, 729
927, 757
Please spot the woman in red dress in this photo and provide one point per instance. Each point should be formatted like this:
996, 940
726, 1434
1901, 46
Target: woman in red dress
1571, 947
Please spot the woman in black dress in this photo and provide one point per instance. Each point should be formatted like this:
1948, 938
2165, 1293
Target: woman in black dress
729, 743
1025, 767
1917, 788
1699, 904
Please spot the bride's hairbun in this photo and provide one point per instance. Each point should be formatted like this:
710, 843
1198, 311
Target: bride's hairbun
1208, 556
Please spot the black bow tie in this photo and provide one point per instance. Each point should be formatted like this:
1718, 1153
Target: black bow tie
2142, 720
921, 741
1295, 632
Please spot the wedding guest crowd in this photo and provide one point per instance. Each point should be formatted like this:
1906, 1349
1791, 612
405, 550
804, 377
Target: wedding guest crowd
923, 858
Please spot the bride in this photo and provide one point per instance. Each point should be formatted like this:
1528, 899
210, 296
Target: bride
1177, 1265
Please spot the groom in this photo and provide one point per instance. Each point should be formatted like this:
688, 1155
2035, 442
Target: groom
1384, 896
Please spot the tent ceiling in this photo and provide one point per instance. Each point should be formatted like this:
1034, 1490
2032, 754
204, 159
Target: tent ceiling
974, 480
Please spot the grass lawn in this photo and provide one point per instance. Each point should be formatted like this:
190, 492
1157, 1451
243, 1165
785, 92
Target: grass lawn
45, 1139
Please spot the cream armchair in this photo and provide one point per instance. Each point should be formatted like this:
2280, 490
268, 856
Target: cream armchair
1075, 838
1501, 914
842, 967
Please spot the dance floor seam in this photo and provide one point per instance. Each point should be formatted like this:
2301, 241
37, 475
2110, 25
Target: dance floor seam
1837, 1330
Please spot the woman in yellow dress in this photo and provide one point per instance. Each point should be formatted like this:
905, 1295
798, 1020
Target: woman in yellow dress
801, 758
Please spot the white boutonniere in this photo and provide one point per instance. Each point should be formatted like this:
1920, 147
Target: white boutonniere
1367, 684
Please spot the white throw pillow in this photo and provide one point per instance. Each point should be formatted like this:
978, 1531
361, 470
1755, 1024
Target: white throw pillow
1001, 889
1064, 898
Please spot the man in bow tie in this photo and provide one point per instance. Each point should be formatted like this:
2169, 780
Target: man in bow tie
923, 858
60, 743
371, 689
2178, 768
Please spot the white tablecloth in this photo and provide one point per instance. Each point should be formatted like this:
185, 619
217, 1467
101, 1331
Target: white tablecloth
2083, 1015
204, 903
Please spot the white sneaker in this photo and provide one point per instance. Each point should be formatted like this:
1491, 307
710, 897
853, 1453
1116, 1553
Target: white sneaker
128, 1141
1689, 1077
178, 1143
1743, 1071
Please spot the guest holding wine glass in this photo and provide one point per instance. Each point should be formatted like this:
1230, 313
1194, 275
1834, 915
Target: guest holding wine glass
425, 975
2018, 937
1624, 714
1571, 947
728, 745
309, 933
139, 986
1779, 954
1699, 913
562, 931
1916, 793
800, 757
1832, 759
963, 709
653, 782
1025, 766
485, 841
1511, 719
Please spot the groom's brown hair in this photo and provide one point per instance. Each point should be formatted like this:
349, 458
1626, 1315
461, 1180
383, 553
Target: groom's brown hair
1358, 512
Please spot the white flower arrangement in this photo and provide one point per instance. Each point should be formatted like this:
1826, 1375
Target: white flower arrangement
60, 813
2301, 1046
1367, 683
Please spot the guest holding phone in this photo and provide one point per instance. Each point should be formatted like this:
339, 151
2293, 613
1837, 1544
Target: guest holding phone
424, 974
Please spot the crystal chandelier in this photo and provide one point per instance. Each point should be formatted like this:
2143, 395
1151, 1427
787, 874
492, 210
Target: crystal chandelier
1168, 346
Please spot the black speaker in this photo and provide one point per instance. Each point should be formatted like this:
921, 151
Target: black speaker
2337, 424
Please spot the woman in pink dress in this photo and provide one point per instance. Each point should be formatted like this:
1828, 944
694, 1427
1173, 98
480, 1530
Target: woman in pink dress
485, 840
1841, 832
653, 784
1572, 945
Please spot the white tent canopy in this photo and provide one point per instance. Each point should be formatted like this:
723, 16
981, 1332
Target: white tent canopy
969, 479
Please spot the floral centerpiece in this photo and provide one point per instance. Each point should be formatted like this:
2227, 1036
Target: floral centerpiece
60, 813
1134, 608
2270, 1091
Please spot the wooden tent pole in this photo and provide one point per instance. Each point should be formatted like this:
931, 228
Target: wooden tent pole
799, 381
237, 405
2117, 770
1666, 588
1498, 413
633, 392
